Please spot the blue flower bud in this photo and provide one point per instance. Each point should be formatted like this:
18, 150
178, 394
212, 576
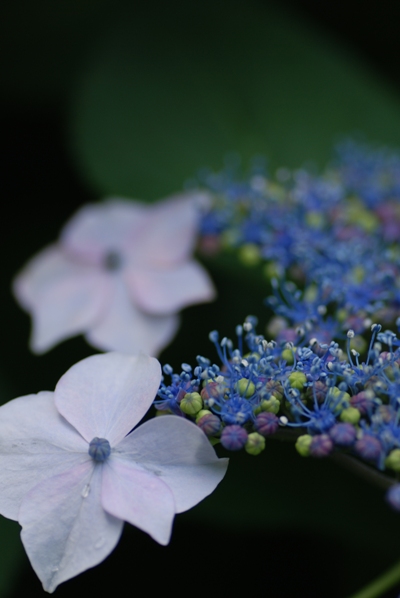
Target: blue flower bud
393, 497
368, 447
209, 423
99, 449
343, 434
321, 446
266, 423
234, 438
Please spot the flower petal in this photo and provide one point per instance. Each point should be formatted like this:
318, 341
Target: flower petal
169, 235
138, 497
125, 328
97, 229
166, 291
64, 297
65, 530
180, 453
107, 395
35, 443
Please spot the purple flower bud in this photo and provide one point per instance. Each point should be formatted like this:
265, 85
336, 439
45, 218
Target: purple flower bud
233, 437
321, 446
210, 424
266, 423
368, 447
393, 497
362, 402
343, 434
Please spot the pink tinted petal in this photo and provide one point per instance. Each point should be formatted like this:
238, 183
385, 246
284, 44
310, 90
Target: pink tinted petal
127, 329
35, 443
169, 235
97, 229
65, 530
167, 291
138, 497
180, 454
107, 395
64, 297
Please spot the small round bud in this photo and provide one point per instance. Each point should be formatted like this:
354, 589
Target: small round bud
99, 449
321, 446
275, 388
343, 434
233, 437
368, 447
201, 413
288, 356
249, 254
393, 460
297, 380
393, 497
245, 387
303, 445
266, 423
209, 423
272, 405
350, 415
191, 403
255, 443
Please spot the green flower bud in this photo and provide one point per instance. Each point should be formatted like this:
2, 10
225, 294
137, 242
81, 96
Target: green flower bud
249, 254
303, 445
161, 412
272, 405
288, 356
191, 403
393, 460
350, 415
255, 444
200, 414
297, 380
245, 387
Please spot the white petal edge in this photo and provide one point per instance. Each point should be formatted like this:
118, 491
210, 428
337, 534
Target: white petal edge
64, 297
36, 442
127, 329
65, 529
167, 291
107, 395
179, 453
139, 497
169, 235
97, 229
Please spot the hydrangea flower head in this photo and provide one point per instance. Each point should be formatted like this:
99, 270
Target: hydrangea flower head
119, 274
72, 471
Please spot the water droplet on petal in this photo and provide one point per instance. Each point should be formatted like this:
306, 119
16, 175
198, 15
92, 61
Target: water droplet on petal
85, 491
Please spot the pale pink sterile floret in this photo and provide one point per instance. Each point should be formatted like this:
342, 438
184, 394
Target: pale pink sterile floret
120, 273
72, 506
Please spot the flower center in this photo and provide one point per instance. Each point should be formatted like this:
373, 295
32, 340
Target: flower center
99, 449
112, 261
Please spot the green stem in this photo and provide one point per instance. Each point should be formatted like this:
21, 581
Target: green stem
380, 585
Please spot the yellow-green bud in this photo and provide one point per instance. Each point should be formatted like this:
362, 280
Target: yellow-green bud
201, 413
245, 387
288, 356
271, 405
161, 412
191, 403
297, 380
255, 444
338, 398
249, 254
350, 415
303, 445
393, 460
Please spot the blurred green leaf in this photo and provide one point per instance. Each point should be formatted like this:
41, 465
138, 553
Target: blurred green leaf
171, 90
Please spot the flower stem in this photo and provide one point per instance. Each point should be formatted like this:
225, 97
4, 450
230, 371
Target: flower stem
381, 584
